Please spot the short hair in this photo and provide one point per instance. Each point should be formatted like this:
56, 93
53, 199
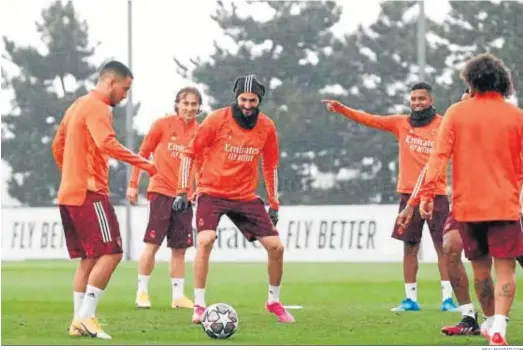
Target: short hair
184, 92
422, 86
485, 73
118, 68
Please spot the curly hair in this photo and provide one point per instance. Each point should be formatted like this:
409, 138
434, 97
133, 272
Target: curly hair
180, 95
487, 73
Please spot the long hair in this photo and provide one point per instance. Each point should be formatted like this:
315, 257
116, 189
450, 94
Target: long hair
487, 73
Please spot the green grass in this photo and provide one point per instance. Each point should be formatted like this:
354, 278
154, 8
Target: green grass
344, 304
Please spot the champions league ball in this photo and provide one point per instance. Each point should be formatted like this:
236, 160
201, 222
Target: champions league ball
220, 321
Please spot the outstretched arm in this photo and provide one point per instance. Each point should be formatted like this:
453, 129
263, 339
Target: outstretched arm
100, 128
385, 123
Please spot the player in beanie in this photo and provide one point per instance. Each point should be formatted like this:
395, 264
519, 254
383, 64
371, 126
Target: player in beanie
236, 137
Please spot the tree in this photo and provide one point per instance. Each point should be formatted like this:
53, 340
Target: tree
46, 83
288, 53
472, 28
371, 69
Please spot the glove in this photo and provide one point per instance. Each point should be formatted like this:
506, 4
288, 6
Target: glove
181, 202
273, 214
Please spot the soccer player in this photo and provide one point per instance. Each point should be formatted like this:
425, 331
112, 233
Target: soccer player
167, 140
452, 250
82, 147
486, 180
415, 134
236, 137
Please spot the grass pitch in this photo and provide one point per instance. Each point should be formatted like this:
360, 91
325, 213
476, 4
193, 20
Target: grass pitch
343, 304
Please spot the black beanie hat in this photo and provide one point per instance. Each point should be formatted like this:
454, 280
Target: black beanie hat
248, 83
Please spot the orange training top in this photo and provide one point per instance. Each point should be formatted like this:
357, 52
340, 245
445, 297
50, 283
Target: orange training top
230, 167
421, 188
167, 140
82, 146
415, 197
483, 135
415, 144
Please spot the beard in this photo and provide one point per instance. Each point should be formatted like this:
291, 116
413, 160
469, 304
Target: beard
246, 121
248, 111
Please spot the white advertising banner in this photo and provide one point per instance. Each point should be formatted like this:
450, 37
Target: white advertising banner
352, 233
37, 233
309, 233
32, 233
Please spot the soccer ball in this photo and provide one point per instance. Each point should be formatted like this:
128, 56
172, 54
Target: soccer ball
220, 321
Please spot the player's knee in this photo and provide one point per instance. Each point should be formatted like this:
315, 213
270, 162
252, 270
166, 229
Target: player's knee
149, 250
118, 257
205, 243
447, 246
206, 239
481, 267
276, 250
410, 249
452, 253
111, 259
83, 271
505, 266
507, 282
178, 253
452, 243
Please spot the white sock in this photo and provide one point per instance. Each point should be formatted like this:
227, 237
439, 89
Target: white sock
467, 310
177, 284
274, 294
487, 324
199, 296
499, 325
78, 298
446, 290
411, 291
143, 283
91, 299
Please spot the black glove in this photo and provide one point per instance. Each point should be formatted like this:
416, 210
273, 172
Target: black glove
181, 202
273, 214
